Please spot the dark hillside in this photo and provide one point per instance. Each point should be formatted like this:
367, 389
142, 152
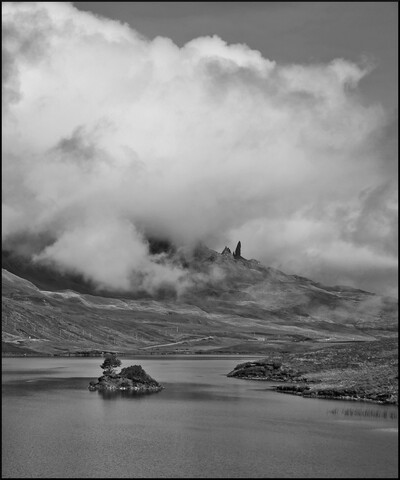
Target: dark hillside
233, 305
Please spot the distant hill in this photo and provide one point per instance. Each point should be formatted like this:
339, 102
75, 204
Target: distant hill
233, 305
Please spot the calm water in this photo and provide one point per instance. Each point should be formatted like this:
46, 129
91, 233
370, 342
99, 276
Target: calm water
202, 425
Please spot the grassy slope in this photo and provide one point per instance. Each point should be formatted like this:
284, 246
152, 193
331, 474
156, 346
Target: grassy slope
236, 307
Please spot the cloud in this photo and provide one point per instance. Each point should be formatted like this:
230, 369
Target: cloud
110, 138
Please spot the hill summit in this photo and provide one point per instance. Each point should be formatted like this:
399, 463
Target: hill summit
230, 305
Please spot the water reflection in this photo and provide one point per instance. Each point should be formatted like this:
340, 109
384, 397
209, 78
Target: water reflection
122, 394
390, 413
176, 392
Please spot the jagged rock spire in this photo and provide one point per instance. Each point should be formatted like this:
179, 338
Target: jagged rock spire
238, 250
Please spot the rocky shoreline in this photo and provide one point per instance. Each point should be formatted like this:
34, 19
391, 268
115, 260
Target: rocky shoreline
133, 379
335, 394
311, 385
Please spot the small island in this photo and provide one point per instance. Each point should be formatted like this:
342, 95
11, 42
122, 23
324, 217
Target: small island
133, 379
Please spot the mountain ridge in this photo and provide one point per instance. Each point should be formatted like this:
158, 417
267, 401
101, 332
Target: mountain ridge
233, 305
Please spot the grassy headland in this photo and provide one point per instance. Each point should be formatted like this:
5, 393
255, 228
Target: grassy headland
363, 371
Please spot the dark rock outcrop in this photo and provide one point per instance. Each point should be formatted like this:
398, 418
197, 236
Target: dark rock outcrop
266, 370
133, 379
226, 251
337, 394
237, 253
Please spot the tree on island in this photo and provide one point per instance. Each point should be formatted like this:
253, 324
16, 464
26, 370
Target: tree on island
111, 362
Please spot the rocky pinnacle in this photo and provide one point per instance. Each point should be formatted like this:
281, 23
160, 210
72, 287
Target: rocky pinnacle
237, 251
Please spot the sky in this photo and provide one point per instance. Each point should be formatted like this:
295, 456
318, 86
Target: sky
299, 32
272, 123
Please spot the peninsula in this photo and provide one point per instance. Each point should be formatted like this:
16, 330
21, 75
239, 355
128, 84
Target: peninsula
358, 371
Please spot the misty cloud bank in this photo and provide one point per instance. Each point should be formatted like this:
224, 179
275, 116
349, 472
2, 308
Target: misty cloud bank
110, 138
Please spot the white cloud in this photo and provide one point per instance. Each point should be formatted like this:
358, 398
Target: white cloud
109, 137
